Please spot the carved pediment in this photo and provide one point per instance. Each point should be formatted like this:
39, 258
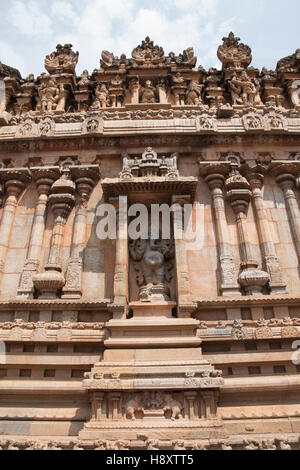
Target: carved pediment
290, 63
149, 53
234, 54
63, 60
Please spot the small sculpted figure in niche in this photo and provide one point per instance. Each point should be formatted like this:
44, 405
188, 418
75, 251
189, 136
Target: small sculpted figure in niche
102, 97
148, 93
84, 79
48, 95
193, 94
244, 91
61, 98
153, 266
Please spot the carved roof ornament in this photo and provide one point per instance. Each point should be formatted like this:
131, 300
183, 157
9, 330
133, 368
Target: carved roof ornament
234, 54
147, 53
149, 165
63, 60
6, 71
290, 63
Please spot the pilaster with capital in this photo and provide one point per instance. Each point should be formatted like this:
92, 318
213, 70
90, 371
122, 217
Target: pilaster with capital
256, 180
182, 274
215, 178
252, 279
15, 181
121, 260
61, 200
286, 175
85, 179
44, 178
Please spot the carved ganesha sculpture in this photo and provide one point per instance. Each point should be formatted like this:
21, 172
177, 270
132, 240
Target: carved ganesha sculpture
153, 266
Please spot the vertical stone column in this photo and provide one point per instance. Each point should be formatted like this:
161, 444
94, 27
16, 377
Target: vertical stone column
215, 181
286, 178
44, 178
97, 406
252, 279
121, 261
277, 285
85, 179
61, 200
15, 181
191, 412
182, 274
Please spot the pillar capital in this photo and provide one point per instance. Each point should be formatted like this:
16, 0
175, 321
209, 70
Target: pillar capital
15, 180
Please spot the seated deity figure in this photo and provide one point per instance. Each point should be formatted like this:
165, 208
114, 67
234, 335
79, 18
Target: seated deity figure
102, 97
148, 93
193, 94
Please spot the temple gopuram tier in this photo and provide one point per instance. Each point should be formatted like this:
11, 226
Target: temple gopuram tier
150, 342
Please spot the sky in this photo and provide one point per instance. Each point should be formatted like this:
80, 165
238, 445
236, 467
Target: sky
31, 29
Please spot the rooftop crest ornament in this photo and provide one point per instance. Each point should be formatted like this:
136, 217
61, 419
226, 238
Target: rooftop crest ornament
63, 60
234, 54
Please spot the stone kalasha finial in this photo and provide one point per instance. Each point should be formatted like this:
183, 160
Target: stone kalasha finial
63, 60
233, 54
61, 201
62, 197
252, 279
238, 190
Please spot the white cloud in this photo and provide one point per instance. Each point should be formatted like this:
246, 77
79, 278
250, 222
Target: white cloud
9, 56
29, 19
118, 26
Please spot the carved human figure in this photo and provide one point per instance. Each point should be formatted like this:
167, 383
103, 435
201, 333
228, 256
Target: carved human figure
244, 90
193, 94
152, 268
48, 94
61, 98
148, 93
102, 97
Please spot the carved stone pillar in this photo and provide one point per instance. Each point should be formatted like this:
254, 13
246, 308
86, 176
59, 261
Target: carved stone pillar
44, 178
277, 285
85, 179
192, 410
228, 273
61, 200
15, 181
121, 259
252, 279
210, 406
182, 274
97, 400
286, 178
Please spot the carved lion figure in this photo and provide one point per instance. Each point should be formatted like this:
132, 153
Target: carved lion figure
133, 405
174, 406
